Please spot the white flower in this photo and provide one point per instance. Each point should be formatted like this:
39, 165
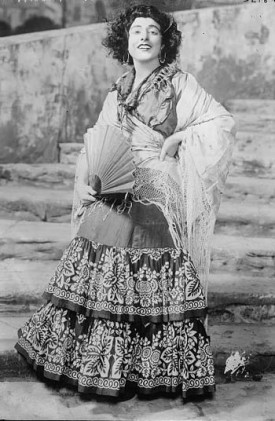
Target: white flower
235, 361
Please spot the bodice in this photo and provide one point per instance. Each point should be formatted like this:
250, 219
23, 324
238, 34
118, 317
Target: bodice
153, 102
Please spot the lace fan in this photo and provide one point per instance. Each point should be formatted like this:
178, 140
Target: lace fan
110, 160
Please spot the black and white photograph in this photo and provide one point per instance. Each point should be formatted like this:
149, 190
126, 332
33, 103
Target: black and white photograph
137, 210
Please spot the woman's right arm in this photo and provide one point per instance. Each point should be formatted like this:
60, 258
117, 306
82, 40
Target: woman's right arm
84, 191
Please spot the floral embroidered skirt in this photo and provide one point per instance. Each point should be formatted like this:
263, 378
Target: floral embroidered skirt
124, 310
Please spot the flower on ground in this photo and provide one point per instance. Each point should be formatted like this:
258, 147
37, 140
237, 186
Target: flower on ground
235, 361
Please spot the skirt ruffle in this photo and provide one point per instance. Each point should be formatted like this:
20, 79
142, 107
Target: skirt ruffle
122, 317
127, 284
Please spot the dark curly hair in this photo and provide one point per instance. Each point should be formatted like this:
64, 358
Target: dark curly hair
116, 40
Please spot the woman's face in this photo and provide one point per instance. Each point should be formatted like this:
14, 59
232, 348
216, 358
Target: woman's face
144, 43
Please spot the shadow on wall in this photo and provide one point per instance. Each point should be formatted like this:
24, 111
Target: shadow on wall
36, 24
5, 29
33, 24
100, 11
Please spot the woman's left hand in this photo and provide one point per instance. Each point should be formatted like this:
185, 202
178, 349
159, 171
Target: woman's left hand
170, 146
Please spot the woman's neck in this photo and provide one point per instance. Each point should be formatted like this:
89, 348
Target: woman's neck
142, 70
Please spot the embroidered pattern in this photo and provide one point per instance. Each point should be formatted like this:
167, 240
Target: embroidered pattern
127, 283
98, 354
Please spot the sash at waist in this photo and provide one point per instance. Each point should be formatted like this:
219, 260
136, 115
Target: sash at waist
141, 227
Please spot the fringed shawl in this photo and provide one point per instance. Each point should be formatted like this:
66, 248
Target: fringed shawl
187, 188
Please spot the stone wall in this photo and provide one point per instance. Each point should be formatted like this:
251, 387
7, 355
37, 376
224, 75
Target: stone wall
231, 49
52, 84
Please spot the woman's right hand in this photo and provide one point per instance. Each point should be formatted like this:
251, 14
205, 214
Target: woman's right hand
85, 193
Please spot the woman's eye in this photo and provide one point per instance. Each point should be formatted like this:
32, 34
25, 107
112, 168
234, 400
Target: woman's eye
138, 31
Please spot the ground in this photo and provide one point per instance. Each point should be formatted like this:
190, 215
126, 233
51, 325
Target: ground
239, 401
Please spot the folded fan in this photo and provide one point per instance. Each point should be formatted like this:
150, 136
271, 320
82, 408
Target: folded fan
110, 160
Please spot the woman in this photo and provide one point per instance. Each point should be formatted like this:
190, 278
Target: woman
126, 307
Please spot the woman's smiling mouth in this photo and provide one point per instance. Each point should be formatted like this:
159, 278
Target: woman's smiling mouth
144, 46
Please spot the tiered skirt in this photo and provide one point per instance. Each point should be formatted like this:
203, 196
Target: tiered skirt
120, 318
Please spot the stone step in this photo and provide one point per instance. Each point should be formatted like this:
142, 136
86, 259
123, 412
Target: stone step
247, 215
69, 152
241, 298
250, 189
56, 175
239, 288
247, 218
254, 155
255, 340
251, 106
35, 203
255, 123
232, 297
256, 255
22, 283
253, 115
245, 163
46, 241
33, 240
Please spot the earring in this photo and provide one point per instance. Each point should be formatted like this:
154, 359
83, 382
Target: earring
162, 58
127, 61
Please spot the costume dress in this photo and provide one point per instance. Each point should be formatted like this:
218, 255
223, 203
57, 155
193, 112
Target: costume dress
126, 305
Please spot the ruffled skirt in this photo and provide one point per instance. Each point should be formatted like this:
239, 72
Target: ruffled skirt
120, 318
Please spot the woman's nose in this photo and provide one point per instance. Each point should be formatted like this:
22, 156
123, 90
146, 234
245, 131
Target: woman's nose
144, 34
